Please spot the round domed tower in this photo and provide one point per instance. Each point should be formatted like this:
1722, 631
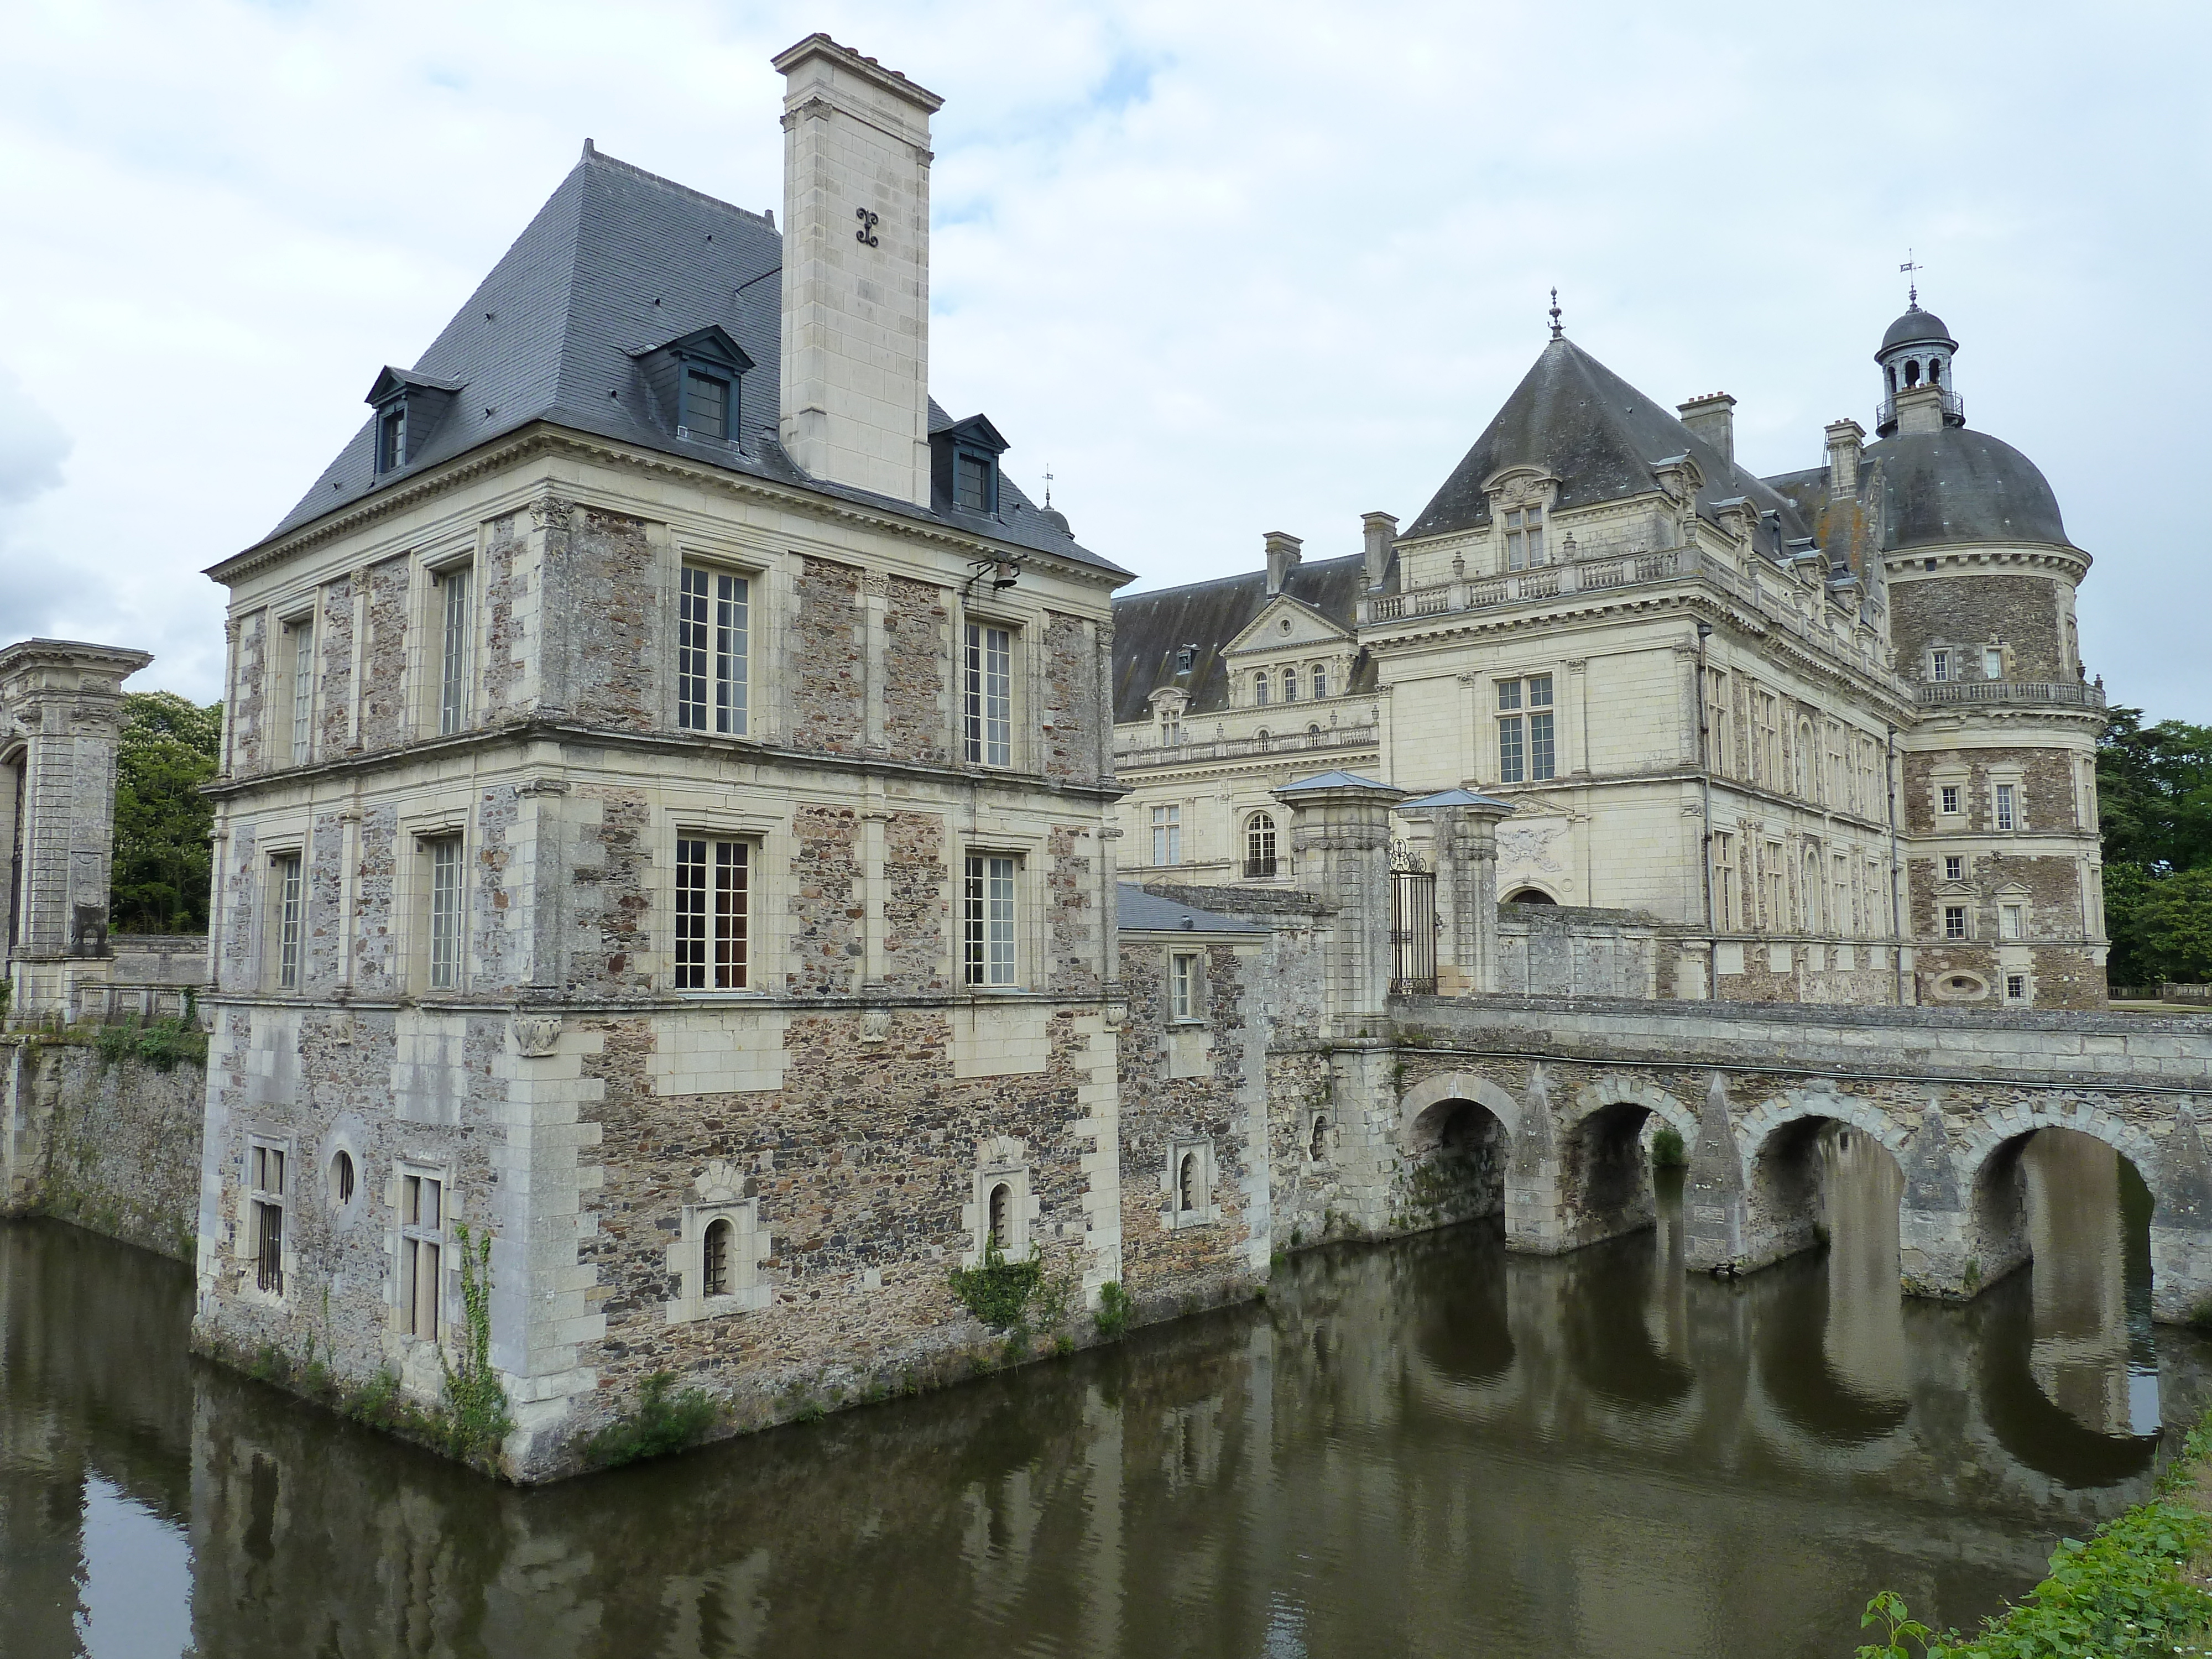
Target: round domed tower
1998, 789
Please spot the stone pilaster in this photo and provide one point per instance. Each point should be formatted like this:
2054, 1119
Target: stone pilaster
1340, 847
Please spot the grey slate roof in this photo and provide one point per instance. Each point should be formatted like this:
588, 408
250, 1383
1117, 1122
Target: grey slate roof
1148, 913
619, 262
1600, 435
1955, 485
1453, 798
1149, 628
1336, 779
1916, 327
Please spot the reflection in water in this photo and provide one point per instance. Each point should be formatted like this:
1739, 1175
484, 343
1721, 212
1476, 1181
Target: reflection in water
1426, 1447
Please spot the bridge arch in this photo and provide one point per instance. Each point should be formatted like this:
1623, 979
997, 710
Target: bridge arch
1457, 1132
1993, 1133
1417, 1119
1993, 1179
1784, 1172
1594, 1097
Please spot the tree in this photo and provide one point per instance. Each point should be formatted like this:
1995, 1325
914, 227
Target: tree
2154, 802
170, 746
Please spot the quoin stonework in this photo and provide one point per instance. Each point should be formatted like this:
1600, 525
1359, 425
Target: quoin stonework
676, 789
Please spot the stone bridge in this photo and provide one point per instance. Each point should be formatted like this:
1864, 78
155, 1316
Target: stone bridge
1543, 1109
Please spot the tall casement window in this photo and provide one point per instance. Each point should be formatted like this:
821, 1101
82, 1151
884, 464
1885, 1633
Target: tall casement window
1802, 759
285, 899
1183, 985
1263, 686
1955, 866
2007, 814
1838, 775
1717, 749
711, 632
2012, 921
266, 1182
988, 918
1525, 750
1320, 681
392, 438
1840, 885
300, 670
1766, 753
707, 411
1939, 664
1769, 880
713, 886
990, 694
453, 585
422, 1252
1954, 922
1993, 662
1167, 834
1259, 846
1946, 798
443, 855
1289, 685
1524, 539
1726, 902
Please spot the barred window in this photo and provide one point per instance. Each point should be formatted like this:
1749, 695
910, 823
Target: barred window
454, 658
711, 912
713, 623
285, 877
444, 852
988, 920
990, 700
265, 1179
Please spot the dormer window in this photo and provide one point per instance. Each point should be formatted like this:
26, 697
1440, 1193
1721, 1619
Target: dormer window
707, 404
974, 480
964, 464
697, 380
1524, 539
409, 406
392, 438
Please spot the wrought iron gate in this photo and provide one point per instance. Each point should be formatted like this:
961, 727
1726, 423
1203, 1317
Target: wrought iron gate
1413, 924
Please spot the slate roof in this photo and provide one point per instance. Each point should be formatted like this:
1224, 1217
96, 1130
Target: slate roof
1916, 327
1955, 485
619, 262
1602, 439
1149, 628
1148, 913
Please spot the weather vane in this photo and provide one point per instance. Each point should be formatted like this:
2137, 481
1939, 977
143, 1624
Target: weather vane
1047, 483
1912, 288
1555, 314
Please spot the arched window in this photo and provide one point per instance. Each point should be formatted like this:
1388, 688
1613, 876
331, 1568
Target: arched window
1259, 846
1262, 737
1261, 683
1892, 373
1530, 895
342, 1179
1912, 372
1002, 1216
1187, 1185
1289, 685
1312, 737
715, 1256
1318, 1148
1934, 371
1320, 681
1810, 881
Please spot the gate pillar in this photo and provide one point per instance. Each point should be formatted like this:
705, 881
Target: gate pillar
1465, 828
1340, 840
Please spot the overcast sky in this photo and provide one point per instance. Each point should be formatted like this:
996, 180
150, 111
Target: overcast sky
1225, 269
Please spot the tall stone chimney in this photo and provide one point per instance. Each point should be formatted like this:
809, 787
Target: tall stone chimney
855, 372
1282, 559
1845, 439
1920, 408
1380, 534
1712, 418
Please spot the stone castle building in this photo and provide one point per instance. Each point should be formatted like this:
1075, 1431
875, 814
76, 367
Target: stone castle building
1820, 737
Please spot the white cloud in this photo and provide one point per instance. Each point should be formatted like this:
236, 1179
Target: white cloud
1228, 268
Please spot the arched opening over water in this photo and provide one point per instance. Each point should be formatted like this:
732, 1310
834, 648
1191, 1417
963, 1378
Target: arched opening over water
1456, 1149
2076, 1208
1826, 1168
1606, 1181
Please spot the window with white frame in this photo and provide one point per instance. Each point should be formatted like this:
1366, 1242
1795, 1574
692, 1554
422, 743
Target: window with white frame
2012, 921
285, 899
1259, 846
1525, 748
300, 673
422, 1252
988, 918
1167, 834
1954, 922
1767, 751
1320, 681
1955, 866
2007, 807
1939, 664
714, 912
989, 698
1993, 662
2015, 987
442, 856
453, 585
1725, 898
1946, 801
1524, 539
713, 641
1717, 749
1840, 885
1289, 685
1185, 977
1776, 918
1262, 686
265, 1162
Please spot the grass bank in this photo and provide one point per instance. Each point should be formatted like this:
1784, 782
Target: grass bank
2139, 1587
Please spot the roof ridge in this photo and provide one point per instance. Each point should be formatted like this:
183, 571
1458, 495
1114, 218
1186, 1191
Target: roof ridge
592, 153
1236, 576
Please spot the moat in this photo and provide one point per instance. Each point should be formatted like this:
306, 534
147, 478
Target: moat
1424, 1448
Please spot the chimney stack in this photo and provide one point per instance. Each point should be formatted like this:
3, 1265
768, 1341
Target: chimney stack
1712, 418
1844, 439
1920, 408
1282, 559
1380, 531
855, 369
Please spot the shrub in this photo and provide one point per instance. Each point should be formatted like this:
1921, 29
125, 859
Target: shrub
1113, 1318
663, 1422
163, 1044
1668, 1151
998, 1290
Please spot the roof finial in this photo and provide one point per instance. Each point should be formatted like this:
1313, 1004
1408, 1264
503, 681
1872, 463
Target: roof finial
1047, 483
1912, 288
1555, 314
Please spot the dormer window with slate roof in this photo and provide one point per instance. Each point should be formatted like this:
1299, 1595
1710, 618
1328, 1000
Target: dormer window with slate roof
697, 380
964, 461
409, 406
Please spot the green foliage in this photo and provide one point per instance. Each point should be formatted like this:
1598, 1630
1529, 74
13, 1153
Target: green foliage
1668, 1151
666, 1420
161, 1044
1887, 1609
170, 747
2154, 803
476, 1404
998, 1290
1113, 1317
